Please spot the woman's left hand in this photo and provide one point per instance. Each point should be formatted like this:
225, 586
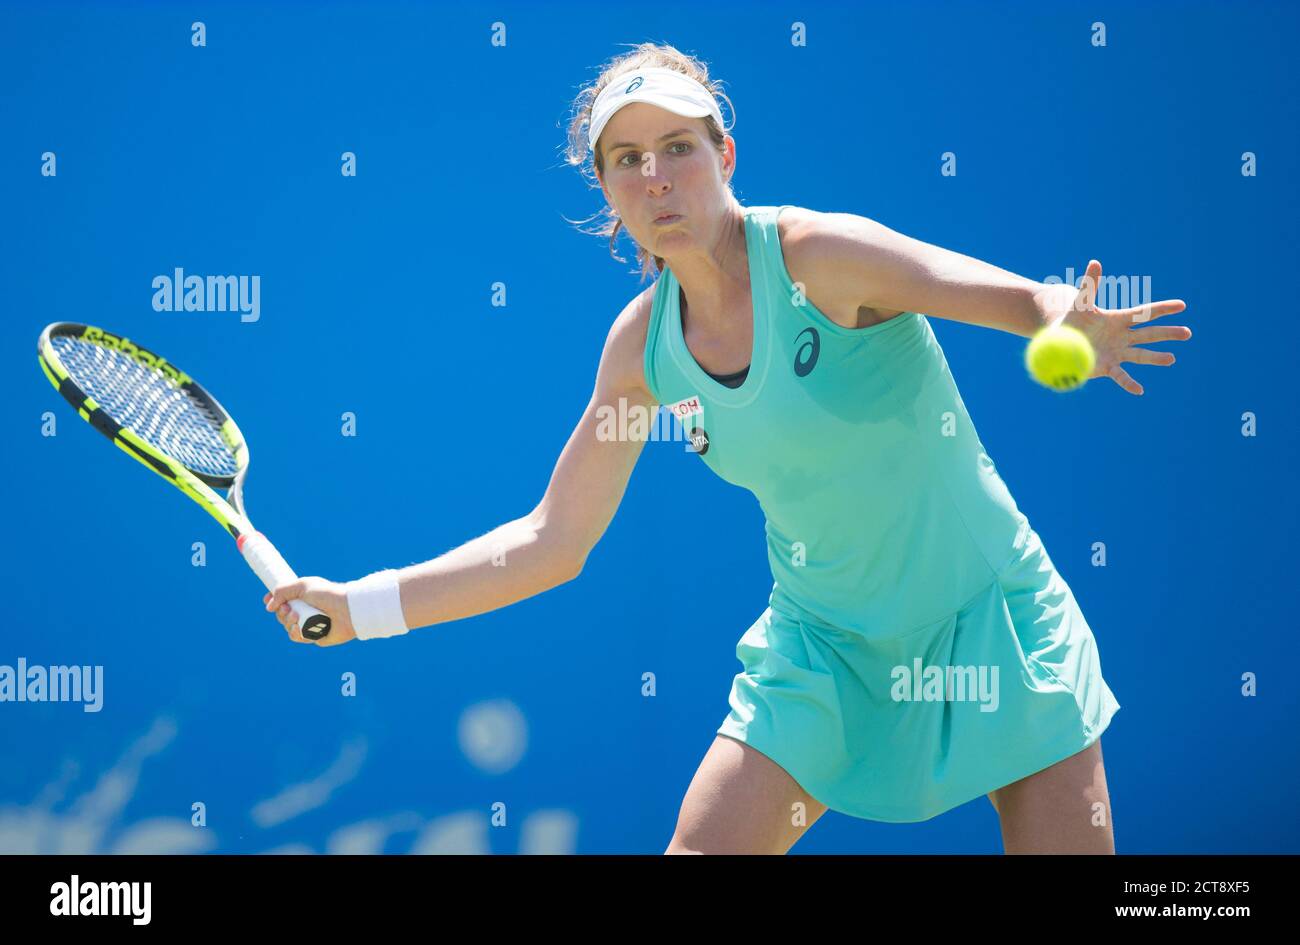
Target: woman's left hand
1113, 340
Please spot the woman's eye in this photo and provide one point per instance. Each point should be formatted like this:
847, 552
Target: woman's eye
627, 160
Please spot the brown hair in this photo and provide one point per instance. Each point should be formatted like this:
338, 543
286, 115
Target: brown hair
591, 165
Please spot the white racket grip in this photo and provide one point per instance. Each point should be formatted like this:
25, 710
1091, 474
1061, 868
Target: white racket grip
273, 571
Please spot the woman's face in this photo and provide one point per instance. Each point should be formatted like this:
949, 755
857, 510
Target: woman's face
656, 163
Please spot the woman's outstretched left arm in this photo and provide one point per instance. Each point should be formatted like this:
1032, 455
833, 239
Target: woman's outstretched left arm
872, 266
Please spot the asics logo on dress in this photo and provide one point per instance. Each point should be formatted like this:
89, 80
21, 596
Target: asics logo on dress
805, 355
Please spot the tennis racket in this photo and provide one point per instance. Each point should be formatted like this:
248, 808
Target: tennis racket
160, 416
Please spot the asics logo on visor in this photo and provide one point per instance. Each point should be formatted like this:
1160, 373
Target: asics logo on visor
635, 84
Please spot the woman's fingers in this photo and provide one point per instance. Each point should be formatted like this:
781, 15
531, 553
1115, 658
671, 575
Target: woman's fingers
282, 600
1145, 313
286, 592
1146, 336
1087, 297
287, 619
1121, 377
290, 621
1147, 356
284, 614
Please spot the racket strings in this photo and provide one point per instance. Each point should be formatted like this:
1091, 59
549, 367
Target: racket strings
151, 405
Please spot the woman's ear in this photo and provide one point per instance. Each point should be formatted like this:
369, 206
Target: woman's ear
728, 157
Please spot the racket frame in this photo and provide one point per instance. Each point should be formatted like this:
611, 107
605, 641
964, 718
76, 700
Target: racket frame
199, 486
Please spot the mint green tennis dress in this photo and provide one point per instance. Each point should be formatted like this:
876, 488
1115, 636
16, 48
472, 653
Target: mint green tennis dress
919, 648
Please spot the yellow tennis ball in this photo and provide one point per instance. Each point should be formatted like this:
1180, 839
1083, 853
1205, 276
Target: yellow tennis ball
1060, 357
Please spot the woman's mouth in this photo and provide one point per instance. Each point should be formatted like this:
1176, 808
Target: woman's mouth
667, 218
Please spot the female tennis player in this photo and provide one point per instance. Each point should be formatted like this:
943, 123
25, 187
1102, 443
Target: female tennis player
919, 648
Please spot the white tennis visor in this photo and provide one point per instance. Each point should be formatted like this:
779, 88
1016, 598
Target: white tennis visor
669, 89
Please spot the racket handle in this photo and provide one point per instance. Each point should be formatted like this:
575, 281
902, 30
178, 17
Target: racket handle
273, 571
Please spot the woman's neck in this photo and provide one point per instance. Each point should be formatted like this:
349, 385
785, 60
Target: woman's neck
715, 279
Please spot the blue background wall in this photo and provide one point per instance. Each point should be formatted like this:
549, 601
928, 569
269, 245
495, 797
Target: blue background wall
225, 159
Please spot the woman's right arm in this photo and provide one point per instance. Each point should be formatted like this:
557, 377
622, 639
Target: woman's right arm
549, 545
537, 551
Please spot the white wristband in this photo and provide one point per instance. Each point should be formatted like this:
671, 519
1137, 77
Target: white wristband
375, 606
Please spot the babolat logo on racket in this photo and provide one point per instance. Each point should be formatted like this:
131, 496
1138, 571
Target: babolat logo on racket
686, 408
135, 352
